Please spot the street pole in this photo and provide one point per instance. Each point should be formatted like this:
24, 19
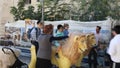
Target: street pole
70, 13
42, 11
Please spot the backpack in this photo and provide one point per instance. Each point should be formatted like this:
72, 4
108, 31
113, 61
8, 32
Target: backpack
18, 63
29, 32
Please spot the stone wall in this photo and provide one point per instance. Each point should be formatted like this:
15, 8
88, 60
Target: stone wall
5, 15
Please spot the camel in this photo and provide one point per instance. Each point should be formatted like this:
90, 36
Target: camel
90, 43
70, 52
53, 58
7, 60
33, 60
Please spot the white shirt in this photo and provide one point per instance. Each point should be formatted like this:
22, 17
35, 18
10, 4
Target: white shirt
114, 49
98, 37
28, 27
33, 34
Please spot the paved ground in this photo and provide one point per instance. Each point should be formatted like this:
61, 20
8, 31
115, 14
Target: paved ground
27, 60
25, 57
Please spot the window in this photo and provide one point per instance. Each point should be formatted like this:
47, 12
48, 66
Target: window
27, 1
38, 0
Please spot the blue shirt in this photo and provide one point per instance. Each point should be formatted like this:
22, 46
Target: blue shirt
65, 32
58, 34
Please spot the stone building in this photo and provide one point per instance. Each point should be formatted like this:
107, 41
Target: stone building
5, 15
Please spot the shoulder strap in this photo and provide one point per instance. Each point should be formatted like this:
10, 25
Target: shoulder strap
31, 29
36, 31
10, 50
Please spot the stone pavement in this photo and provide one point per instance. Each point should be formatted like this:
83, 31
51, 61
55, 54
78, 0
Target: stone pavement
26, 59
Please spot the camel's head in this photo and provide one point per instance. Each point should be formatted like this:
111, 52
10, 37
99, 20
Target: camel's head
91, 41
75, 46
32, 48
81, 41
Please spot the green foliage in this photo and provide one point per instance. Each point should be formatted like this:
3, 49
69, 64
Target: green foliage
38, 13
53, 11
100, 9
84, 10
29, 13
115, 11
57, 11
18, 11
14, 11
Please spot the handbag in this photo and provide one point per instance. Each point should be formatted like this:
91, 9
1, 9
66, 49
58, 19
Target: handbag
18, 63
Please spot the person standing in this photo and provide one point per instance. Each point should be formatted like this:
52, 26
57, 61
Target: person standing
36, 31
28, 25
101, 55
34, 34
92, 56
114, 47
98, 35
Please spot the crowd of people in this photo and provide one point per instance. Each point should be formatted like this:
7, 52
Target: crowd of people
42, 37
101, 52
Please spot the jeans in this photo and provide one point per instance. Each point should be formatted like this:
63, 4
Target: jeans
116, 65
101, 61
43, 63
92, 58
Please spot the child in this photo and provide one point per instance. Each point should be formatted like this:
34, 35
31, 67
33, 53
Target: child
59, 33
66, 27
101, 55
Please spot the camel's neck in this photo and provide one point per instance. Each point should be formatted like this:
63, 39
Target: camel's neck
67, 46
71, 51
33, 57
89, 44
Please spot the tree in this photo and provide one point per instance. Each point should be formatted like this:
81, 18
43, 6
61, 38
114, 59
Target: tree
38, 13
100, 9
114, 10
55, 10
29, 13
18, 11
84, 10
